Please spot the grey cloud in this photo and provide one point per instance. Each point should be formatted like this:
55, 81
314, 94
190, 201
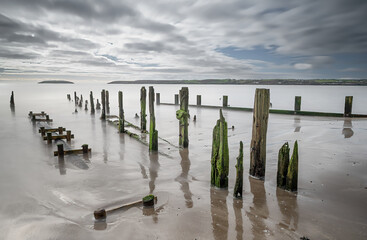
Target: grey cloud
8, 54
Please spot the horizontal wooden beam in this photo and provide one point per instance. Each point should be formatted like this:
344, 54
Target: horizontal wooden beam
58, 137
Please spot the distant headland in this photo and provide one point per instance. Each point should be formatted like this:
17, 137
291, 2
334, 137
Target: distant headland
56, 82
337, 82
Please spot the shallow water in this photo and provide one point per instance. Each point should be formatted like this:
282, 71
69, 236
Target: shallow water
44, 197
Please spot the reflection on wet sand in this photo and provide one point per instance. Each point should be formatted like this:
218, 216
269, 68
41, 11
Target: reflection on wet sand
237, 207
61, 165
122, 146
287, 203
153, 170
152, 211
259, 211
105, 151
297, 124
183, 177
347, 128
100, 225
219, 211
12, 109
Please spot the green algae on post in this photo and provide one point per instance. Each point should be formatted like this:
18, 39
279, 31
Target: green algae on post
182, 115
292, 174
121, 114
220, 155
225, 101
143, 115
283, 162
259, 129
148, 200
239, 174
153, 133
297, 103
348, 106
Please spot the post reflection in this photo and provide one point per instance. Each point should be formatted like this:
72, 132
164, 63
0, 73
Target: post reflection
287, 203
219, 212
259, 210
183, 177
122, 146
237, 207
297, 124
153, 170
61, 165
104, 132
347, 128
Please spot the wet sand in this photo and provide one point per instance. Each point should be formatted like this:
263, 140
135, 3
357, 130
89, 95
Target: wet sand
45, 197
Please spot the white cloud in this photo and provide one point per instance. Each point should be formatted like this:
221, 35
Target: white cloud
302, 66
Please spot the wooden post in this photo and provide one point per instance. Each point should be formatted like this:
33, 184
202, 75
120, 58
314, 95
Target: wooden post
297, 103
42, 129
283, 163
225, 101
158, 98
91, 103
68, 96
107, 102
85, 148
292, 174
182, 115
348, 106
153, 133
220, 155
98, 105
68, 135
49, 138
12, 99
81, 100
61, 130
259, 129
60, 149
86, 105
75, 99
121, 114
176, 99
47, 117
198, 100
239, 174
143, 104
103, 99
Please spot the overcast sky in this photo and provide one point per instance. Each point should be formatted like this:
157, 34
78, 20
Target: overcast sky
182, 39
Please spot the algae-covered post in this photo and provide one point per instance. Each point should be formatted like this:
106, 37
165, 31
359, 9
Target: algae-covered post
143, 104
198, 100
220, 155
239, 174
283, 163
12, 99
297, 103
91, 103
75, 99
225, 101
107, 102
176, 99
182, 115
98, 105
153, 133
158, 98
292, 174
348, 106
103, 99
121, 114
259, 129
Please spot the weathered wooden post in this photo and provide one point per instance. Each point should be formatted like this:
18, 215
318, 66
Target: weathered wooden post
91, 103
348, 106
61, 130
68, 96
225, 101
60, 149
103, 99
107, 102
85, 148
75, 99
182, 115
292, 174
176, 99
12, 99
297, 103
158, 98
68, 135
81, 100
198, 100
143, 104
239, 174
283, 163
47, 117
259, 129
153, 133
42, 130
86, 105
220, 155
98, 105
121, 114
49, 137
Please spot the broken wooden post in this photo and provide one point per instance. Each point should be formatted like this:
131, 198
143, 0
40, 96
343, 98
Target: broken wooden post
259, 129
292, 174
47, 117
42, 131
153, 133
107, 102
143, 115
239, 174
182, 115
297, 103
121, 114
348, 106
49, 137
158, 98
176, 99
85, 148
86, 105
194, 119
60, 149
81, 101
103, 100
12, 99
75, 99
198, 100
68, 96
68, 135
225, 101
98, 105
283, 163
220, 155
91, 103
61, 130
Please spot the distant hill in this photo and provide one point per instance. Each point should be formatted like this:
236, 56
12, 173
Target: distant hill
342, 82
56, 82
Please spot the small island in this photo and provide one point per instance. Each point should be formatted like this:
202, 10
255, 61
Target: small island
56, 82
